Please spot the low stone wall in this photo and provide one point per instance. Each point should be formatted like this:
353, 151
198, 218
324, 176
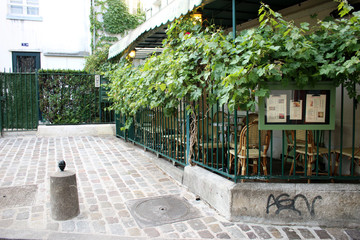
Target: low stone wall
76, 130
336, 205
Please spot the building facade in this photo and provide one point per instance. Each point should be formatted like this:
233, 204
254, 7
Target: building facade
44, 34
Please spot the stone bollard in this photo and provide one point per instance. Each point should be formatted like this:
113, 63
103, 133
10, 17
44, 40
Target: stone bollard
64, 199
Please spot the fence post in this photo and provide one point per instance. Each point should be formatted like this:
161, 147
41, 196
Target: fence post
187, 138
37, 97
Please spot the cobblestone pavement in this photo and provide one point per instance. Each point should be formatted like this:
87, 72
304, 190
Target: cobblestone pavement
111, 172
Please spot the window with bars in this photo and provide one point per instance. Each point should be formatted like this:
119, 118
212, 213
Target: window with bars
24, 9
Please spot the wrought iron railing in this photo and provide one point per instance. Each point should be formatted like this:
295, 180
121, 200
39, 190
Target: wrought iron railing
231, 144
60, 98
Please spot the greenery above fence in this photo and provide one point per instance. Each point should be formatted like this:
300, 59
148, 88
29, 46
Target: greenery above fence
203, 61
68, 97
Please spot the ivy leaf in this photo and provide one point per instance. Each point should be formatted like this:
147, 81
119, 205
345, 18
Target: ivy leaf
162, 86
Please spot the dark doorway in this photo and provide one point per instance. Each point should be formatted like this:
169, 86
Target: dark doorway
25, 61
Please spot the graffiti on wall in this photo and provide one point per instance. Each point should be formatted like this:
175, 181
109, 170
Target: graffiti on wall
285, 202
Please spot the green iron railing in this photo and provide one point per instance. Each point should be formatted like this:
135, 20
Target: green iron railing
52, 98
230, 144
72, 98
19, 105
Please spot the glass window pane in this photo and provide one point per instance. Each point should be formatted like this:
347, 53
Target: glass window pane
32, 2
33, 11
16, 1
16, 9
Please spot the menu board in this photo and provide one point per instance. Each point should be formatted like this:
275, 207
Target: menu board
298, 109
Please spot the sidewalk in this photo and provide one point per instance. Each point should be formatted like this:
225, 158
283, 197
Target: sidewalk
110, 175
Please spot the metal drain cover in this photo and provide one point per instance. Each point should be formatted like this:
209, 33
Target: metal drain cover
157, 211
17, 196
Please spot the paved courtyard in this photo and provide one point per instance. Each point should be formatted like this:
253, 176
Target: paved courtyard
110, 174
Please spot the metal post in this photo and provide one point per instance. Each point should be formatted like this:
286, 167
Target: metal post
234, 18
187, 138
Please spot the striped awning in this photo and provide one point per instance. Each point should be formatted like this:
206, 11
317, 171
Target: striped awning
172, 11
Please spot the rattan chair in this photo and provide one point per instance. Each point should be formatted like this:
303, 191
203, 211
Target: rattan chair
248, 148
311, 152
294, 138
208, 140
347, 153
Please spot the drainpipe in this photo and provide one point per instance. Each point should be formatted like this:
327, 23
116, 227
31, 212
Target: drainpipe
94, 32
234, 19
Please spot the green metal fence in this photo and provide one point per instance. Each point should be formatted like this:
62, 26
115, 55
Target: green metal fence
230, 144
72, 98
19, 105
52, 98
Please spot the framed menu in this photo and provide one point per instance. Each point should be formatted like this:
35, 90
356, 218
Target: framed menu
291, 108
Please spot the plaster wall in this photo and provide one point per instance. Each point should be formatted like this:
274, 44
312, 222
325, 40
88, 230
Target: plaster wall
63, 30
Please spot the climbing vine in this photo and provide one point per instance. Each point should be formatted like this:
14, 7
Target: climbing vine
108, 20
202, 61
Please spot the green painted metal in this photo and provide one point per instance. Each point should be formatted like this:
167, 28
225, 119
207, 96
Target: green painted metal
19, 105
321, 86
83, 102
215, 145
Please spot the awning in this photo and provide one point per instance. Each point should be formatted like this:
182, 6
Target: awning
151, 33
172, 11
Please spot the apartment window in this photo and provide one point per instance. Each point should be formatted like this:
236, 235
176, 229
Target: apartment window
24, 10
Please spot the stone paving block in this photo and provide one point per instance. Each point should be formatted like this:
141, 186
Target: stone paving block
223, 235
83, 227
197, 224
6, 223
322, 234
22, 216
260, 231
244, 227
235, 233
306, 233
166, 228
117, 229
134, 232
180, 227
353, 233
275, 232
290, 233
99, 226
8, 213
215, 228
68, 226
152, 232
205, 234
338, 234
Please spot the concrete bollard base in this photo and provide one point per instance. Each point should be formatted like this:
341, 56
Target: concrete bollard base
64, 200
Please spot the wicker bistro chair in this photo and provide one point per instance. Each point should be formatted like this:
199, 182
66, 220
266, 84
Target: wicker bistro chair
348, 153
249, 138
311, 153
294, 138
252, 117
207, 141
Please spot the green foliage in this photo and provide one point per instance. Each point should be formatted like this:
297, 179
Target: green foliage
117, 18
97, 61
67, 97
202, 61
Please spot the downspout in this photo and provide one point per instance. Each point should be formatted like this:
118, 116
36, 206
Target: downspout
234, 19
94, 29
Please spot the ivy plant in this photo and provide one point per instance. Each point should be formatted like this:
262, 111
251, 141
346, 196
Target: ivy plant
202, 62
108, 20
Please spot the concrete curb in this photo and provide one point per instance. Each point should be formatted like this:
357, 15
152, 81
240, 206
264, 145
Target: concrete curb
76, 130
331, 205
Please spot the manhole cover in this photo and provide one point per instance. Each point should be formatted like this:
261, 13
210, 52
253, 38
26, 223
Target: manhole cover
157, 211
17, 196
